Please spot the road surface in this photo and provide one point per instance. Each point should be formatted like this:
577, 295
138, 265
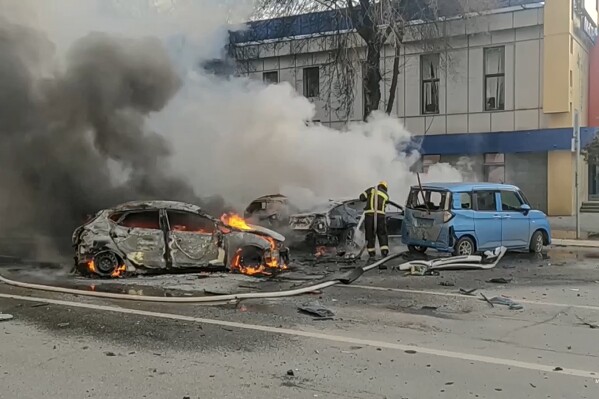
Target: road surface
392, 336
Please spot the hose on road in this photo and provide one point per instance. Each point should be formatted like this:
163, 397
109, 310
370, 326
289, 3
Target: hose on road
346, 278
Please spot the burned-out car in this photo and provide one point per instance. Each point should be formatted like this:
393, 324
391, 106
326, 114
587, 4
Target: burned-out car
158, 236
270, 211
335, 223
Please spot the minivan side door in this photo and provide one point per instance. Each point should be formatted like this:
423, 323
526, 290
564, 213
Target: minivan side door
515, 225
487, 219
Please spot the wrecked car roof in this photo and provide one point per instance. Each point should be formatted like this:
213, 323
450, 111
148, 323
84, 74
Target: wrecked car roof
175, 205
324, 208
271, 197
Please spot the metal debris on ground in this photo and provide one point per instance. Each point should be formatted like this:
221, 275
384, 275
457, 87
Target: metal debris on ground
582, 321
316, 309
499, 280
501, 300
471, 292
446, 284
487, 300
5, 317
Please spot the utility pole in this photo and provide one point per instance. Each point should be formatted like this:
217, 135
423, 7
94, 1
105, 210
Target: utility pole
576, 134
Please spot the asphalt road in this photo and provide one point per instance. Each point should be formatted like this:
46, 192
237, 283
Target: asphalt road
392, 336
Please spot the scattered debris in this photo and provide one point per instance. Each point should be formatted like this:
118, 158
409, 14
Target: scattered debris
290, 373
574, 289
501, 300
487, 299
411, 352
430, 308
488, 261
316, 309
582, 321
5, 317
500, 280
532, 385
471, 292
447, 284
110, 354
558, 369
39, 305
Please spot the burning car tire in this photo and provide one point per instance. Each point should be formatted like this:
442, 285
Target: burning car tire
104, 264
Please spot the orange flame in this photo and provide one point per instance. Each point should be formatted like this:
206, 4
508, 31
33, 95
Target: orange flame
234, 220
119, 271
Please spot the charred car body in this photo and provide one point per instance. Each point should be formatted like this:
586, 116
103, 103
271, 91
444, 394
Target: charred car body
270, 211
336, 223
158, 236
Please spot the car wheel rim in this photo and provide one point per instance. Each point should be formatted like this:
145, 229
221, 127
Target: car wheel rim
465, 248
539, 244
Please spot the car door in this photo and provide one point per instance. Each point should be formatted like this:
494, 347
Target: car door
515, 225
394, 216
487, 219
193, 239
138, 234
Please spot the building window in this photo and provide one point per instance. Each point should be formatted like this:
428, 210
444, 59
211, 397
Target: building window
428, 161
429, 72
311, 82
494, 166
494, 65
271, 78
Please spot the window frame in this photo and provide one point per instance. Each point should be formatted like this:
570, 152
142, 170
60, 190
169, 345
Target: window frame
170, 227
460, 193
517, 197
475, 199
487, 165
271, 73
487, 76
433, 81
132, 212
305, 72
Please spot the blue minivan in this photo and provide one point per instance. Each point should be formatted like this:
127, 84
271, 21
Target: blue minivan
465, 218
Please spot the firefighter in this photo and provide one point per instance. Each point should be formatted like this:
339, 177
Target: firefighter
375, 222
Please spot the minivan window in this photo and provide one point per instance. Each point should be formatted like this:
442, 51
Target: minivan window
510, 201
485, 201
435, 200
466, 200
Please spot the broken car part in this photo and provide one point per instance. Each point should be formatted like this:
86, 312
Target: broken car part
316, 309
489, 260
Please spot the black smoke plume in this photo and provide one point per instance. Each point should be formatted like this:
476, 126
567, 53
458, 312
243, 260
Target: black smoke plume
64, 131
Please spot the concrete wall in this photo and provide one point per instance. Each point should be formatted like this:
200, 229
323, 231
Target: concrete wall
529, 172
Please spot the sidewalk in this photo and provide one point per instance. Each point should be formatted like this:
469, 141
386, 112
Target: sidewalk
564, 227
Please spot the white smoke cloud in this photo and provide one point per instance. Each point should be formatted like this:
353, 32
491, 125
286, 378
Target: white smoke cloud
236, 137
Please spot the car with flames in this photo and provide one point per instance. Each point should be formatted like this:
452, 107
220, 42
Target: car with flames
159, 236
335, 223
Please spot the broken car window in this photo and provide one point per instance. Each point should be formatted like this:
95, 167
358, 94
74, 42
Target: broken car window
466, 200
510, 201
485, 201
142, 220
427, 199
116, 216
190, 222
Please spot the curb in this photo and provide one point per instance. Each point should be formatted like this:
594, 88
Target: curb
574, 243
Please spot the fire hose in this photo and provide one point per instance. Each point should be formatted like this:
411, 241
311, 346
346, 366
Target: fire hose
346, 278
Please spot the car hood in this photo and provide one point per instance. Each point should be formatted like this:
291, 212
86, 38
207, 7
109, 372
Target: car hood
265, 231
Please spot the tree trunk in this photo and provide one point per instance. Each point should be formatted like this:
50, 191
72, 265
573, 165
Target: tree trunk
372, 79
394, 78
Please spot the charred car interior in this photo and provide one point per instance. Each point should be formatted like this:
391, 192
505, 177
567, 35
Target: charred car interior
270, 211
159, 236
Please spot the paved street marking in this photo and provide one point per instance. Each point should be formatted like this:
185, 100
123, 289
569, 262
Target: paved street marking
449, 294
316, 335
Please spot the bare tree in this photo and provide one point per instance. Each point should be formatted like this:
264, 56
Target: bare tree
352, 36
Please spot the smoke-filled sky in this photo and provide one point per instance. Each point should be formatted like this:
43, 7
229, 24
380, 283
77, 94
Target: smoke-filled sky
97, 106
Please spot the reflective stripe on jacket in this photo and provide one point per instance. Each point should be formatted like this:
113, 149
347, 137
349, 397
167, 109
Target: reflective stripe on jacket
369, 197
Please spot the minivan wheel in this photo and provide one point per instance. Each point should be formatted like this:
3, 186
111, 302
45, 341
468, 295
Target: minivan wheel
464, 247
537, 242
417, 248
